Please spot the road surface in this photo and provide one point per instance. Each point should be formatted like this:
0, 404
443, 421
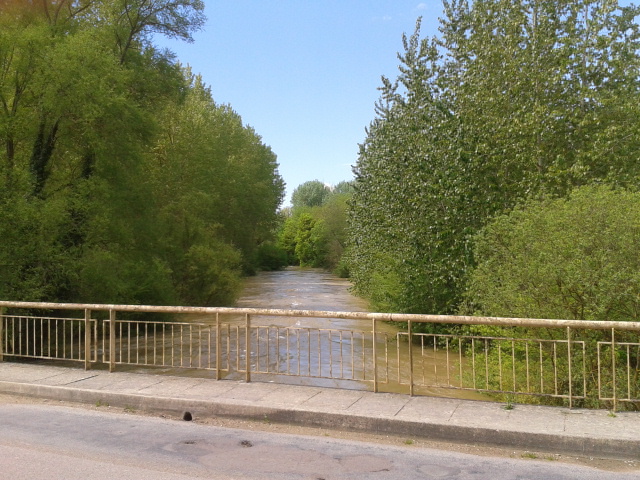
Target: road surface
59, 442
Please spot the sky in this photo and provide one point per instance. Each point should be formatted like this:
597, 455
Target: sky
304, 74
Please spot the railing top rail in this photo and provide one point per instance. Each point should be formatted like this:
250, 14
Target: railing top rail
385, 317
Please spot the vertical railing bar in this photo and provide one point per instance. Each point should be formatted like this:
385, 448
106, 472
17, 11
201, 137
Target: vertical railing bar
555, 367
460, 360
190, 345
319, 353
599, 372
628, 372
386, 357
26, 335
237, 329
267, 346
435, 363
448, 362
121, 336
155, 342
330, 335
182, 342
95, 340
569, 367
363, 360
163, 347
473, 363
87, 339
513, 363
78, 326
2, 334
526, 357
500, 364
248, 347
409, 328
137, 343
49, 336
541, 367
341, 353
55, 344
218, 348
375, 355
277, 349
398, 370
613, 369
146, 343
288, 363
112, 340
257, 348
421, 337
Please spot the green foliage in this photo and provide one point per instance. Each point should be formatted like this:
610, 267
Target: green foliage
313, 232
574, 258
310, 194
122, 180
566, 258
310, 241
513, 99
271, 257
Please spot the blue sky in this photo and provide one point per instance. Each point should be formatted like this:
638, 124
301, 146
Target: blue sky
304, 73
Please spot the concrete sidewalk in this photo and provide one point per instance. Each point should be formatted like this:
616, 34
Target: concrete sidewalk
549, 429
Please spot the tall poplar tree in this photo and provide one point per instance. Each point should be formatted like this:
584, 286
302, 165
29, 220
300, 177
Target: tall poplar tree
512, 99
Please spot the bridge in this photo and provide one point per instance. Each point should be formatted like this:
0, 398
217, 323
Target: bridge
567, 363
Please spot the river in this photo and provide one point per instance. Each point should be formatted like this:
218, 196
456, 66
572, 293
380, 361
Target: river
329, 352
313, 289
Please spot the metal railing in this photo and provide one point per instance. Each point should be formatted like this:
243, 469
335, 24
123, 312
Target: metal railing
567, 360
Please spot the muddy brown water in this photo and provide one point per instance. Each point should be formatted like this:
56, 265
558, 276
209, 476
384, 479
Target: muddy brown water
313, 289
313, 353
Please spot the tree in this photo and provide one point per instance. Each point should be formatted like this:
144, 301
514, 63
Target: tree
313, 232
573, 258
123, 181
567, 258
512, 100
310, 194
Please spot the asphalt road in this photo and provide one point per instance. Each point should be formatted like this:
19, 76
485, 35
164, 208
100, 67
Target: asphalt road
54, 442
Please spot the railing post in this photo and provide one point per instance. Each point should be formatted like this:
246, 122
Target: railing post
87, 339
410, 359
569, 367
613, 368
218, 348
1, 334
375, 357
248, 348
112, 340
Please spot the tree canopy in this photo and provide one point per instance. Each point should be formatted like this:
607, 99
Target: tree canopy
514, 99
122, 180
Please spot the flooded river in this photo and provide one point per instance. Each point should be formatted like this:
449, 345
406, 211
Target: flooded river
313, 289
302, 350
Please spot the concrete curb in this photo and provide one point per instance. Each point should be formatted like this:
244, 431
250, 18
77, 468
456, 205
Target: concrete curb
568, 444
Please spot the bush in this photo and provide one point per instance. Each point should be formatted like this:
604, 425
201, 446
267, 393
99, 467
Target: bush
271, 257
574, 258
